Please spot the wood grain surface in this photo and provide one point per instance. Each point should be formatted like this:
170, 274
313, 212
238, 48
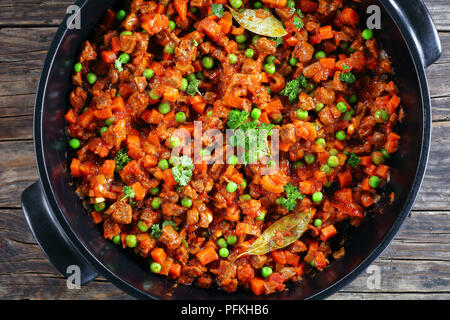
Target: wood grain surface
415, 266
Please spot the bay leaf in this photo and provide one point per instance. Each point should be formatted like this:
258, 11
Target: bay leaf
260, 22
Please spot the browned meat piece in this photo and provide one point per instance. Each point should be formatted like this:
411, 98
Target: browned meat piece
170, 238
120, 212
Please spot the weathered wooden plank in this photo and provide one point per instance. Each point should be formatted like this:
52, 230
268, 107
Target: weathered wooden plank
346, 295
15, 128
440, 11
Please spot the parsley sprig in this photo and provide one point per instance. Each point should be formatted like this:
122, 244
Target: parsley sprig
298, 21
182, 170
192, 88
347, 76
293, 194
128, 193
217, 9
122, 159
353, 160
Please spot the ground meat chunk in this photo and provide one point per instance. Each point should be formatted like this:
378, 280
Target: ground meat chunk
121, 212
303, 51
172, 209
170, 237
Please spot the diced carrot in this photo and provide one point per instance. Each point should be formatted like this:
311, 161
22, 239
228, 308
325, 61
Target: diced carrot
139, 190
207, 255
291, 41
149, 161
320, 261
292, 258
118, 104
366, 161
175, 270
345, 178
284, 146
199, 107
171, 94
313, 247
365, 186
264, 118
159, 255
86, 118
392, 142
237, 178
226, 22
97, 217
257, 286
168, 178
315, 39
370, 170
327, 63
279, 256
395, 101
115, 44
382, 171
273, 106
366, 200
108, 168
231, 46
327, 232
75, 168
103, 114
349, 17
308, 6
165, 266
344, 195
71, 116
108, 56
326, 32
133, 142
181, 8
152, 116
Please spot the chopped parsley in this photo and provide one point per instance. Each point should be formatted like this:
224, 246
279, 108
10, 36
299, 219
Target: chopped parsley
170, 223
298, 21
192, 88
156, 231
237, 118
217, 9
118, 65
182, 170
122, 159
347, 76
353, 160
293, 194
128, 192
292, 90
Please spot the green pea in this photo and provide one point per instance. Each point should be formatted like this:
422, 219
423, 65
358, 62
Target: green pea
245, 197
116, 239
174, 142
310, 158
184, 84
232, 240
333, 161
142, 226
317, 196
77, 67
255, 39
236, 3
341, 106
169, 49
164, 108
103, 130
172, 24
155, 267
192, 77
74, 143
255, 114
321, 142
249, 53
298, 164
367, 34
224, 252
207, 62
261, 216
244, 184
99, 206
222, 243
131, 241
232, 160
242, 46
377, 158
257, 5
186, 202
232, 58
317, 223
271, 59
240, 38
319, 106
232, 187
385, 153
301, 114
340, 135
353, 99
91, 78
163, 164
320, 55
148, 73
180, 117
374, 182
325, 168
381, 116
121, 15
154, 191
347, 116
126, 33
156, 203
292, 61
333, 152
266, 272
124, 58
153, 95
270, 68
110, 121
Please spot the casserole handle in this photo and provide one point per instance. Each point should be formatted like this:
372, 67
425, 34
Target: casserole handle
52, 238
420, 26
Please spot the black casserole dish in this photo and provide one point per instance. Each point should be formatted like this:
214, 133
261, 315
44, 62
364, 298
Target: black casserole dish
54, 211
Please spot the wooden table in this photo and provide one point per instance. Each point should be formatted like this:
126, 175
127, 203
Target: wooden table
415, 266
